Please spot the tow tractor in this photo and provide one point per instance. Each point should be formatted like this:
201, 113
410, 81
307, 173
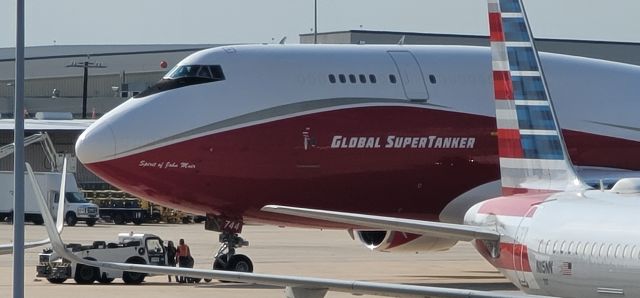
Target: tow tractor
129, 248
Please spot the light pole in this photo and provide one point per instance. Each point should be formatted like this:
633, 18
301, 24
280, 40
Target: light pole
315, 21
18, 158
85, 65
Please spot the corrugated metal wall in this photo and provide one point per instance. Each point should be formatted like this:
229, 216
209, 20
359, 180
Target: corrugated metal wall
97, 85
100, 96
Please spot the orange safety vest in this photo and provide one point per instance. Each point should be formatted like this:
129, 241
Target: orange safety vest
183, 251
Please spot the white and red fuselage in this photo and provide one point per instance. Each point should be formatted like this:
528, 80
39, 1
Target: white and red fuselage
566, 244
394, 130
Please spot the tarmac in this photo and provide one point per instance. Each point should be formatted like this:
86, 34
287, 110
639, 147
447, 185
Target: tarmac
274, 250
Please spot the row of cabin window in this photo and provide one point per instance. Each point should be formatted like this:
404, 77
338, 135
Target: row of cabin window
372, 78
352, 78
587, 249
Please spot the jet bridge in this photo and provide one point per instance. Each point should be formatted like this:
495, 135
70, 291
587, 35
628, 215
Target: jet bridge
47, 146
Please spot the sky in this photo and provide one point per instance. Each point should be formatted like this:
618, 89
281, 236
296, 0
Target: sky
65, 22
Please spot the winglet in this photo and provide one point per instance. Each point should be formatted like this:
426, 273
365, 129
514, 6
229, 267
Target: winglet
40, 196
8, 248
533, 155
53, 230
62, 198
56, 241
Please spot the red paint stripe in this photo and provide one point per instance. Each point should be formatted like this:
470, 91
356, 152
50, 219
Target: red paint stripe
502, 86
509, 143
513, 256
495, 27
508, 191
516, 205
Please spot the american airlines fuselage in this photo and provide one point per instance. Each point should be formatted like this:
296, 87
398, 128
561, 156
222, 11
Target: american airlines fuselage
395, 130
570, 244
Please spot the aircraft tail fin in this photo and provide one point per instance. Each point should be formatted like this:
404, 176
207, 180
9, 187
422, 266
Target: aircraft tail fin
533, 155
62, 197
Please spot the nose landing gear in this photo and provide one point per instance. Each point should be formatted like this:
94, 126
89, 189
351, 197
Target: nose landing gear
226, 258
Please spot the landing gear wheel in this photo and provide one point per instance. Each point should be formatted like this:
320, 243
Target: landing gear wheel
71, 219
56, 280
133, 278
90, 222
226, 258
85, 274
240, 263
220, 263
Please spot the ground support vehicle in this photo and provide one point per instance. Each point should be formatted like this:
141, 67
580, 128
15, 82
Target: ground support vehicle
129, 248
121, 207
76, 207
159, 213
122, 210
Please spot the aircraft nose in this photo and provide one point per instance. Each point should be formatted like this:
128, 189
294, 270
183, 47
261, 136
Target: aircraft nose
96, 143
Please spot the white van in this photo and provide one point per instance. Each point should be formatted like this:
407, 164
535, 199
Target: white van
77, 208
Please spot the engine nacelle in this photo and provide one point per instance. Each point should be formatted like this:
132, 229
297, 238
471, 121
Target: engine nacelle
392, 241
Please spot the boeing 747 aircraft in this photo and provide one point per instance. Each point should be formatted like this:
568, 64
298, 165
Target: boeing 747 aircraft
549, 233
394, 130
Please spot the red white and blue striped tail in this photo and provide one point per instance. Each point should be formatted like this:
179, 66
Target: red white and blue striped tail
532, 153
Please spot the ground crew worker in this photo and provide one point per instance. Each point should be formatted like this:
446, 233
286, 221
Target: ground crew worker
183, 254
171, 257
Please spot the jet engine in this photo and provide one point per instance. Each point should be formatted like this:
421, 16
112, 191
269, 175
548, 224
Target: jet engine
392, 241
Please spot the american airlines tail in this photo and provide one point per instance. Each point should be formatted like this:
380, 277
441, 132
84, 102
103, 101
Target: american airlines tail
533, 155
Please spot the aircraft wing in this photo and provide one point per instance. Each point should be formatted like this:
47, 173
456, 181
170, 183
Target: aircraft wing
6, 249
435, 229
296, 286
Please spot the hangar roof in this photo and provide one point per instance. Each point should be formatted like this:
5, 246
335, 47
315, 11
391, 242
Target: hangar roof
51, 61
625, 52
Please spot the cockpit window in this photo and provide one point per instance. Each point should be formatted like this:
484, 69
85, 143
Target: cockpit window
185, 75
204, 73
213, 72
